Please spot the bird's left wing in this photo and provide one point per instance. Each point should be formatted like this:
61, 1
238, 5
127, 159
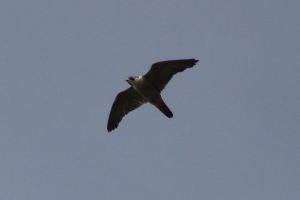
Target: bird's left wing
125, 102
161, 73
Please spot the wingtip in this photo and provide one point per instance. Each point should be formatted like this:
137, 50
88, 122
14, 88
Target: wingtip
192, 62
195, 60
110, 128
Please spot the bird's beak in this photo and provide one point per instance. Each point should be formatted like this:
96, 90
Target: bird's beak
127, 79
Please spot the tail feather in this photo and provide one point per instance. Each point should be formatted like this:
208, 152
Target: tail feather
164, 108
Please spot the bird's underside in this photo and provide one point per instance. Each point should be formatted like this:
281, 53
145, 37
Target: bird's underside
145, 89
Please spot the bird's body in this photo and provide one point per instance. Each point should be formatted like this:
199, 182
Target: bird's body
150, 94
145, 89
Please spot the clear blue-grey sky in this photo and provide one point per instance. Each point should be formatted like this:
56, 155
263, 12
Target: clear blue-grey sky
235, 133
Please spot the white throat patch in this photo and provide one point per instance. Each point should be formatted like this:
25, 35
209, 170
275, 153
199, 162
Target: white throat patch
138, 82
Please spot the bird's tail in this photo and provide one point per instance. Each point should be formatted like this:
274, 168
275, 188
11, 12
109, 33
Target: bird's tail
160, 104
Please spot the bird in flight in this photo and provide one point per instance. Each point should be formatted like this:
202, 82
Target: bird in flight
146, 89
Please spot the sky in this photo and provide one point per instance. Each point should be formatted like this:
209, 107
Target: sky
235, 133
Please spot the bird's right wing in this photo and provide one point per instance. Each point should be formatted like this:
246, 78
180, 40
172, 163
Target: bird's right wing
125, 102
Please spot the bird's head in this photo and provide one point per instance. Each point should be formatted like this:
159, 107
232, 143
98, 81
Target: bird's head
132, 79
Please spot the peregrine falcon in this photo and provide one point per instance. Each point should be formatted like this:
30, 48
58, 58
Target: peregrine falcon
146, 89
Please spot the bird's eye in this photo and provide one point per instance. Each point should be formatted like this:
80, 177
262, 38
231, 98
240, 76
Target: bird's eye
132, 79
